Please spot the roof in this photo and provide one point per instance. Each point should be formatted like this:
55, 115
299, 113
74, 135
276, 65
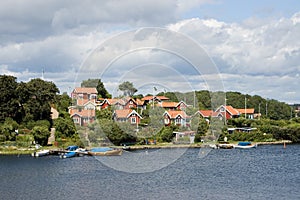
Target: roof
248, 110
125, 113
175, 113
139, 102
82, 102
165, 104
208, 113
114, 101
232, 110
147, 98
83, 113
81, 90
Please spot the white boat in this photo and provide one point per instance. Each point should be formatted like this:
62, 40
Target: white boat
245, 145
40, 153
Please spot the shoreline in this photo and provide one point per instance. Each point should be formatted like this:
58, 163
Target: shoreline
142, 147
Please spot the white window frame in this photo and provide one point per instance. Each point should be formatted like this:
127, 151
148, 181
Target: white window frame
133, 120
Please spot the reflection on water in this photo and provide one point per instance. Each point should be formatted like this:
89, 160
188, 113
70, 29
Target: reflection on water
268, 172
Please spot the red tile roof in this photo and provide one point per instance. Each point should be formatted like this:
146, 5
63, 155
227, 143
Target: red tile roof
248, 110
125, 113
83, 113
115, 101
175, 113
147, 98
232, 110
208, 113
165, 104
81, 90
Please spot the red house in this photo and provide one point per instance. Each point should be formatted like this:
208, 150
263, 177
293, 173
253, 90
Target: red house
177, 117
84, 93
228, 111
208, 114
173, 105
83, 117
127, 115
118, 103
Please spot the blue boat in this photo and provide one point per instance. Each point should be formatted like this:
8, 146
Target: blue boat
70, 152
72, 148
245, 145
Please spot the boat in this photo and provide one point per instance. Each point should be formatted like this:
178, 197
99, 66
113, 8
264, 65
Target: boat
40, 153
71, 151
69, 154
105, 151
224, 145
245, 145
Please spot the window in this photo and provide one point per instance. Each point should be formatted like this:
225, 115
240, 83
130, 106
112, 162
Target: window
133, 120
167, 121
178, 121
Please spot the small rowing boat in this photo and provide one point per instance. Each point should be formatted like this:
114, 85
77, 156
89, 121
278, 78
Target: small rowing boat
105, 151
40, 153
245, 145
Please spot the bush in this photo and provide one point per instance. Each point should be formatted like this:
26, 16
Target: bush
41, 134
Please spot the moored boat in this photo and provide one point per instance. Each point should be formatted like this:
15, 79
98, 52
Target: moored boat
225, 146
105, 151
40, 153
69, 154
245, 145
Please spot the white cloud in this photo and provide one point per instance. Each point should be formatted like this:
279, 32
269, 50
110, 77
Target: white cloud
258, 54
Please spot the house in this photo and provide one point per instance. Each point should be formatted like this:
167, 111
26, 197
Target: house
173, 105
82, 117
117, 103
83, 111
127, 115
132, 103
209, 114
228, 111
84, 93
177, 117
248, 112
149, 99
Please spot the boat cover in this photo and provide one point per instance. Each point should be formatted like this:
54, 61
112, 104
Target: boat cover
101, 149
244, 143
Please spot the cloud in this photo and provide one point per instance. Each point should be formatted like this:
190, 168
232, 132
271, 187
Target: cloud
258, 57
254, 56
265, 49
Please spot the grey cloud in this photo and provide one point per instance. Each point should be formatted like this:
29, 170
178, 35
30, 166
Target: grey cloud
33, 19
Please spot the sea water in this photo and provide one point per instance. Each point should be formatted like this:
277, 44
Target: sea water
267, 172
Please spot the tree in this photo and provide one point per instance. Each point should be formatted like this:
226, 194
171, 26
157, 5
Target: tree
41, 95
63, 102
104, 114
102, 92
202, 127
90, 83
9, 104
98, 84
127, 88
41, 134
64, 127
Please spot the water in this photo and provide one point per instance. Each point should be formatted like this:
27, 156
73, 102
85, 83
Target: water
268, 172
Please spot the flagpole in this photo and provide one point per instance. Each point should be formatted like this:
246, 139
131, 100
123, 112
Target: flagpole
153, 99
245, 107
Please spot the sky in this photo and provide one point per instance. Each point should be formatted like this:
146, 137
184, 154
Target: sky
252, 47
